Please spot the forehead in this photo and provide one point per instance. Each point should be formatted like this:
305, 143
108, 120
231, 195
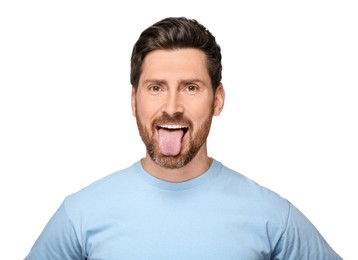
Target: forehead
187, 63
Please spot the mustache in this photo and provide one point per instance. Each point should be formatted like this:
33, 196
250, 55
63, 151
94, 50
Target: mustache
176, 118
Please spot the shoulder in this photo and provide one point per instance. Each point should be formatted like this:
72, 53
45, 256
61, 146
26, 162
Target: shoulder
252, 194
108, 188
243, 184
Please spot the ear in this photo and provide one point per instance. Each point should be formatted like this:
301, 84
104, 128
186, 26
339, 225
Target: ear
133, 102
219, 100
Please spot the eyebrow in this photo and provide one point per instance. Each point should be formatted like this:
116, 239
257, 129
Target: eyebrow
187, 81
154, 81
163, 82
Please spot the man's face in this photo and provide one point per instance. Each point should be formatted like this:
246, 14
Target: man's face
174, 105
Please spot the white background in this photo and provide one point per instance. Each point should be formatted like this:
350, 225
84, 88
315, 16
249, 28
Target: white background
289, 122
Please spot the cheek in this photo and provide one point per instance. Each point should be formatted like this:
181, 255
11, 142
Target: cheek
145, 113
201, 110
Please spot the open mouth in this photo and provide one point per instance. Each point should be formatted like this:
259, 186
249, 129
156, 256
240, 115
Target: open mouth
172, 127
170, 137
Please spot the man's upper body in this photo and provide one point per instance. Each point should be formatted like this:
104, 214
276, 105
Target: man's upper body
219, 215
178, 203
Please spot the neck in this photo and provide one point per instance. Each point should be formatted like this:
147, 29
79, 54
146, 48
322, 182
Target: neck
196, 167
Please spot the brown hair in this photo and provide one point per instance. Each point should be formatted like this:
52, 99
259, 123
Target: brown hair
176, 33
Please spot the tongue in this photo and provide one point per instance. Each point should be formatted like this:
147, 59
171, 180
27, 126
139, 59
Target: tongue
170, 141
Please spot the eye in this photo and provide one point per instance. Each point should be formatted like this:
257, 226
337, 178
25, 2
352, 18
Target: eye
192, 88
154, 88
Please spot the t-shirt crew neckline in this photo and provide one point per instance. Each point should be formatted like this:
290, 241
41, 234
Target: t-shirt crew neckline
209, 174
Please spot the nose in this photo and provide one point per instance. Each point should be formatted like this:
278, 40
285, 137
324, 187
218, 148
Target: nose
173, 103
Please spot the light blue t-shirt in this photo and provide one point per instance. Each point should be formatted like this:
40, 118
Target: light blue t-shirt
219, 215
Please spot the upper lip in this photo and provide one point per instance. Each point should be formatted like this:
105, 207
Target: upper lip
173, 126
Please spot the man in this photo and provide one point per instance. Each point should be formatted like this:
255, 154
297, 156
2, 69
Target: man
177, 203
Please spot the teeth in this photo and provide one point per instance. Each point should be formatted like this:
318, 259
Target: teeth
173, 126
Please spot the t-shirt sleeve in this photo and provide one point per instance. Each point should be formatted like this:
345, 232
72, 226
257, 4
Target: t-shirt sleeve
301, 240
58, 240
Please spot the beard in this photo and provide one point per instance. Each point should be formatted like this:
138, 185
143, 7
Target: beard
194, 139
